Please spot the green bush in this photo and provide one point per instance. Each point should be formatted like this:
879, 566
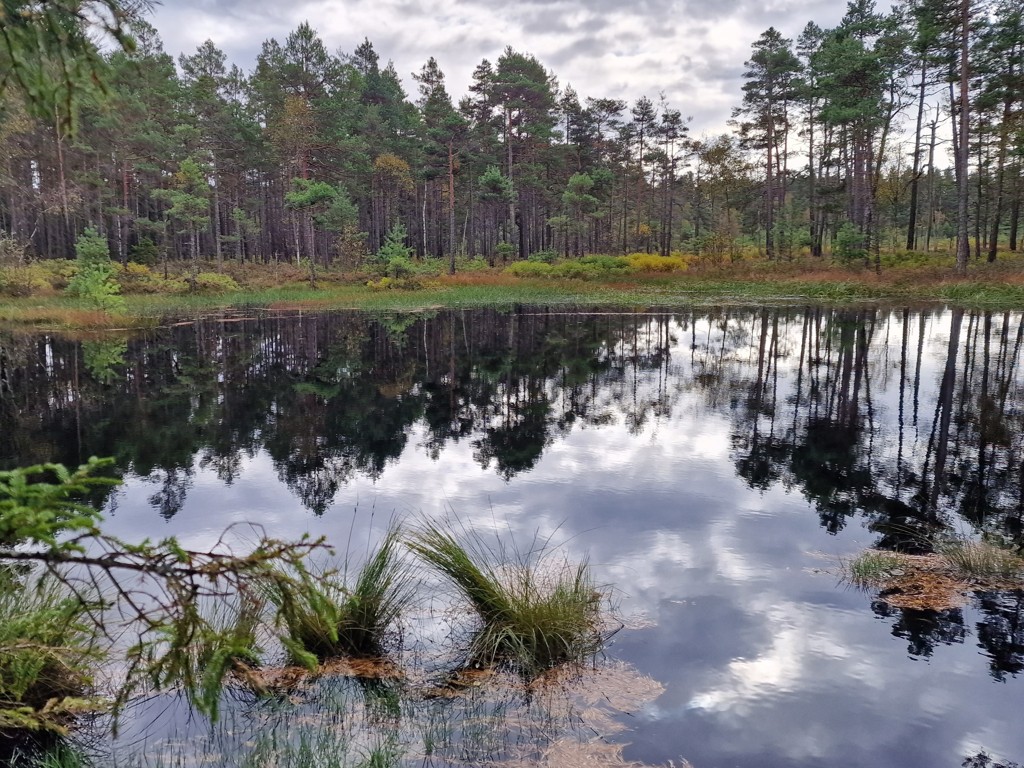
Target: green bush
27, 280
574, 270
145, 252
546, 257
506, 251
213, 282
607, 264
138, 278
529, 269
12, 250
850, 245
399, 267
649, 262
471, 265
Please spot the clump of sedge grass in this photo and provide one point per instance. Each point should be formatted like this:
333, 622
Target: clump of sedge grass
46, 651
873, 567
329, 619
536, 612
982, 560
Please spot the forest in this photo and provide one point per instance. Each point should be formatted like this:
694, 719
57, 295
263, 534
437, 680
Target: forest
894, 132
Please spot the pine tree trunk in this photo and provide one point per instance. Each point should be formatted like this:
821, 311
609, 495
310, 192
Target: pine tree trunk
915, 175
962, 246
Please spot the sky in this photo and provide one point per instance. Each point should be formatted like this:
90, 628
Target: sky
691, 50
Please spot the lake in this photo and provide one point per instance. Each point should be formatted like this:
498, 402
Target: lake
712, 463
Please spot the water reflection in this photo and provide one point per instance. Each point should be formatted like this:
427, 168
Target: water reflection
698, 455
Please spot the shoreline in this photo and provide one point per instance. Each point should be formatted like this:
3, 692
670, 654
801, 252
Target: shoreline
1002, 290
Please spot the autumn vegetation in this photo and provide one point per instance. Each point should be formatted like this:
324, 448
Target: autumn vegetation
889, 144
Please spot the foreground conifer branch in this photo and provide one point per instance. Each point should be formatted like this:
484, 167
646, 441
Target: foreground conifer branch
153, 592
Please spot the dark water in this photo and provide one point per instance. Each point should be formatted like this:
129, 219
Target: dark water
714, 463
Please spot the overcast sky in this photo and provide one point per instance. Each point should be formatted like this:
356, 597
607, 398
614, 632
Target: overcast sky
692, 50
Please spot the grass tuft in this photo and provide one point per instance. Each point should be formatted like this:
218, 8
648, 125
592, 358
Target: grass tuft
982, 560
46, 651
536, 612
331, 619
873, 567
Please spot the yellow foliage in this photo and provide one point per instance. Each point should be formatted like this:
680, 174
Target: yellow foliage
649, 262
392, 170
133, 270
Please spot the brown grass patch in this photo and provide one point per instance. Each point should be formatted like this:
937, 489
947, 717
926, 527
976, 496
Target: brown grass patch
66, 317
922, 582
459, 682
926, 584
290, 678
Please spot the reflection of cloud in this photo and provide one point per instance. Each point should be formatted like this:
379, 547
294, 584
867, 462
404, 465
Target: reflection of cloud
777, 669
763, 663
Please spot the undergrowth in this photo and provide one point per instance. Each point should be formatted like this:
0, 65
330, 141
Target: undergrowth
46, 653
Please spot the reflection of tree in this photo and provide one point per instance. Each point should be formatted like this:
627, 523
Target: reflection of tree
103, 357
174, 487
907, 477
923, 629
845, 406
909, 480
517, 441
1001, 631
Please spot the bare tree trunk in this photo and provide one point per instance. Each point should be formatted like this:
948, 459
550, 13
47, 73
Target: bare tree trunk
915, 175
931, 189
451, 210
962, 246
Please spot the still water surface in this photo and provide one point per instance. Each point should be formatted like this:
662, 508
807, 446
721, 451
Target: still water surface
712, 463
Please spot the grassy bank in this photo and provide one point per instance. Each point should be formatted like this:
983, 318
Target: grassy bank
999, 286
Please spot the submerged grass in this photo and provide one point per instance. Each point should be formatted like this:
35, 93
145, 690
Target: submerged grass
536, 612
332, 619
46, 652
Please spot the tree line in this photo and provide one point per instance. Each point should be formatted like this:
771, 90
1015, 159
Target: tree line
840, 145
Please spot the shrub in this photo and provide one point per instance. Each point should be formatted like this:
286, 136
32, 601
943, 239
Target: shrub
145, 252
471, 265
849, 245
648, 262
12, 250
212, 282
138, 278
27, 280
545, 257
608, 264
574, 270
399, 266
535, 612
331, 620
94, 279
59, 272
506, 251
529, 269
